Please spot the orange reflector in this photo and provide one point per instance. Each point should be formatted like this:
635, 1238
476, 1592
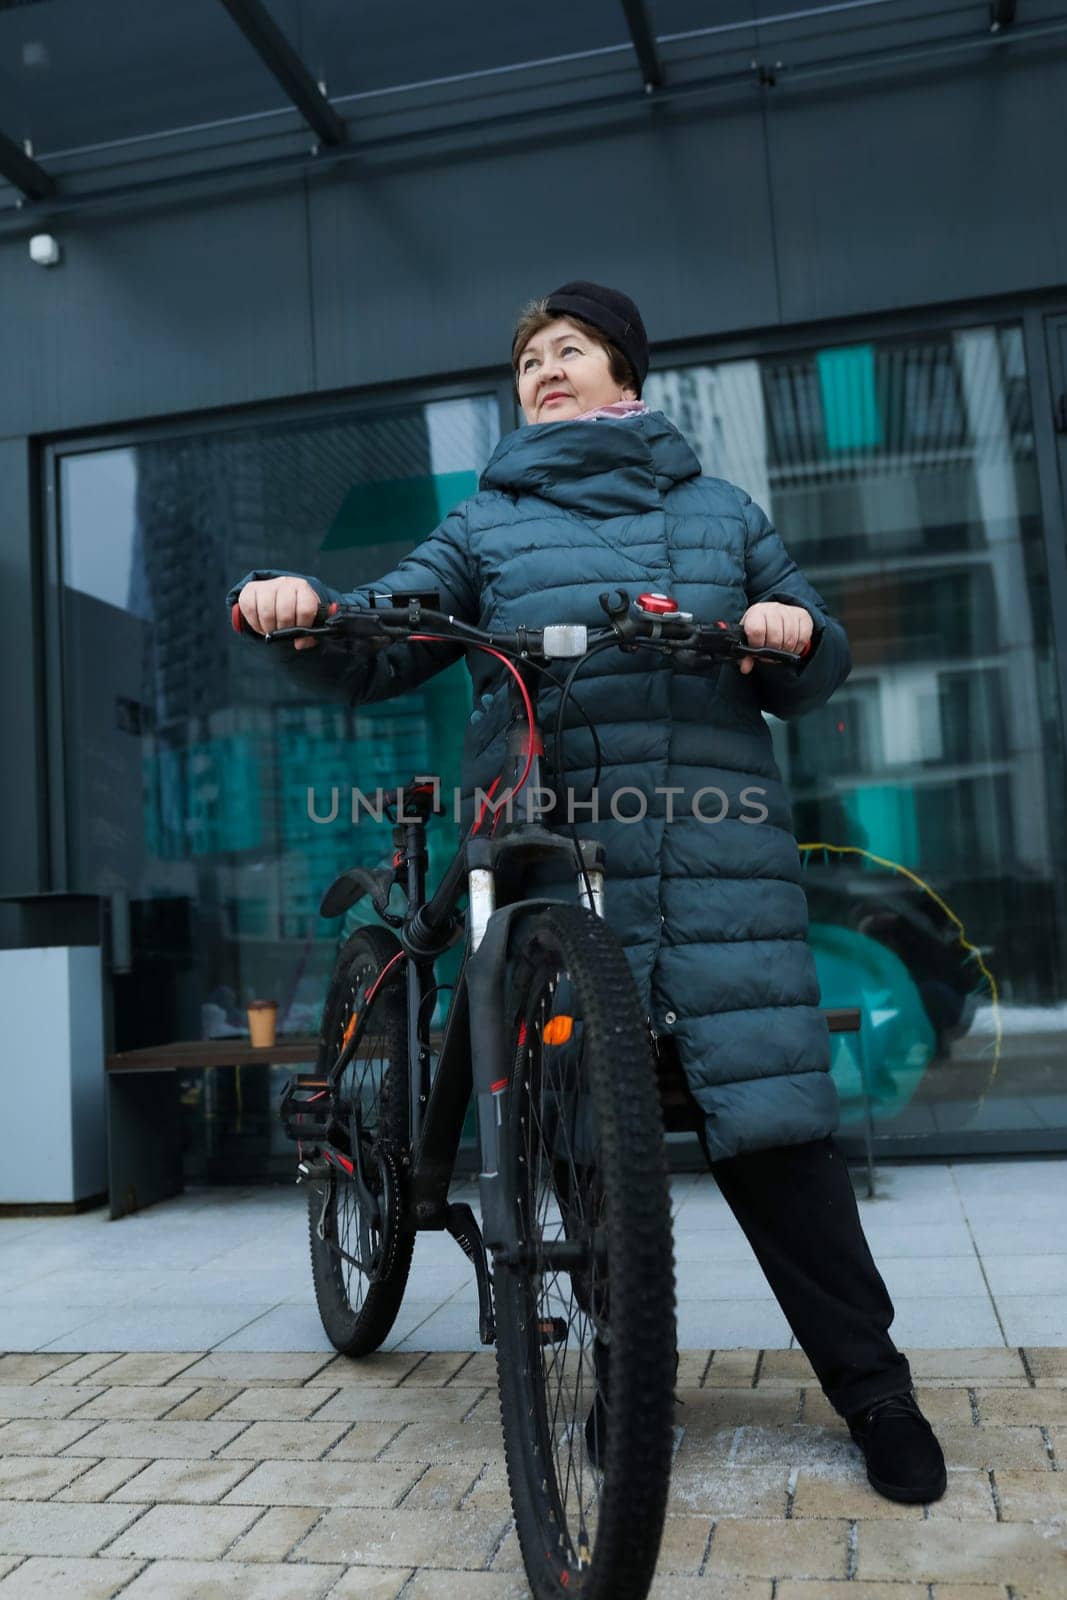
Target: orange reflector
558, 1030
349, 1029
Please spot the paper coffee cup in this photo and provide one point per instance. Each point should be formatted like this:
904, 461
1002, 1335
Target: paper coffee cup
262, 1022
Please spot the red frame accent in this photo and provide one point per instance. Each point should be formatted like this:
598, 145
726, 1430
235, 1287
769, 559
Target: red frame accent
379, 980
489, 795
527, 703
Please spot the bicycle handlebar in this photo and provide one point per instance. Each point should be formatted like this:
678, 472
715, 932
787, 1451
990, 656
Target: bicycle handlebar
652, 619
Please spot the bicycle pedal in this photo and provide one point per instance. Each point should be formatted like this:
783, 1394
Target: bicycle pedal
306, 1108
313, 1171
552, 1330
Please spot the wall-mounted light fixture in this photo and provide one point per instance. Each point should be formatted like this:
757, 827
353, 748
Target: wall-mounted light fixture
44, 250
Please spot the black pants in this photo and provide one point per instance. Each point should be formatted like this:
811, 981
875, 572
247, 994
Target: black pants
798, 1210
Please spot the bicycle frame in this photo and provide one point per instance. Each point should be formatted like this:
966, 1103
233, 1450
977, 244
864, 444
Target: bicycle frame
473, 1049
474, 1044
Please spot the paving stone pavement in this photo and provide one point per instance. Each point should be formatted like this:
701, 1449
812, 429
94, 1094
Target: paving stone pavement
292, 1476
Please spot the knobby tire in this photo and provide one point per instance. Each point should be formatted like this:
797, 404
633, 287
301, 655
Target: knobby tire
585, 1140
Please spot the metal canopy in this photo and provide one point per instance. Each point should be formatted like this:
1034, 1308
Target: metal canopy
278, 55
126, 99
644, 39
23, 172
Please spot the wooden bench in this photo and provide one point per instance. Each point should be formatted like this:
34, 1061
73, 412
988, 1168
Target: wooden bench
144, 1113
144, 1159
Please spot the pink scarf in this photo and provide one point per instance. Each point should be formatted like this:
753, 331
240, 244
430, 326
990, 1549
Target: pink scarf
617, 408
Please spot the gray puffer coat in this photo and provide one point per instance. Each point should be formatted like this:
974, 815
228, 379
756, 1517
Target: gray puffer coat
711, 912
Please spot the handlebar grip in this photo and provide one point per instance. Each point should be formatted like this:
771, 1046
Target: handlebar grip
237, 622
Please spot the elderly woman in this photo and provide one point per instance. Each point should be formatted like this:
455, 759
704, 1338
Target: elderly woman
596, 491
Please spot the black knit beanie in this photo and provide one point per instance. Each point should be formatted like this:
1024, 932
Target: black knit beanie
613, 314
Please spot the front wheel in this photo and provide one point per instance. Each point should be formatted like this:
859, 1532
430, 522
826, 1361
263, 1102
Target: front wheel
586, 1314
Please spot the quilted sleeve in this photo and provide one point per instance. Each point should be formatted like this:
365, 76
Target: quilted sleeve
443, 561
772, 574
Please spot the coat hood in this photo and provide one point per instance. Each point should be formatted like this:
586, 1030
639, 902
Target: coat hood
602, 468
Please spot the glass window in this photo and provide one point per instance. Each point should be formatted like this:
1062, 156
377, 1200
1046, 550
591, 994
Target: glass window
928, 795
190, 755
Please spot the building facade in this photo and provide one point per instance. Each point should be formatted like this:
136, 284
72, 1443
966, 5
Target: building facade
848, 237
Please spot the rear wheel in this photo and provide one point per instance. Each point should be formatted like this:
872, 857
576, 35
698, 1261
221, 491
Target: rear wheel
592, 1296
360, 1261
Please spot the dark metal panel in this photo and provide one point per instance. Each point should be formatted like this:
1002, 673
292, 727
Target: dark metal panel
279, 57
75, 74
157, 314
23, 832
899, 36
932, 189
423, 271
379, 45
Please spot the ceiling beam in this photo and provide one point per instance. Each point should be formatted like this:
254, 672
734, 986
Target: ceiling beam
23, 171
644, 43
279, 57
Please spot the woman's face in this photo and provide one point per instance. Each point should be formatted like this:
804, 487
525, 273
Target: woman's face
563, 372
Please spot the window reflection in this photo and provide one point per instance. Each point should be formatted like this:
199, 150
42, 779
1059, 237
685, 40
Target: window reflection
928, 795
189, 758
902, 476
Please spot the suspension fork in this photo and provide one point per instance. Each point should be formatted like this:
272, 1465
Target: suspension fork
486, 984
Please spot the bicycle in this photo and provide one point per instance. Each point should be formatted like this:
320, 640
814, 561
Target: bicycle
545, 1026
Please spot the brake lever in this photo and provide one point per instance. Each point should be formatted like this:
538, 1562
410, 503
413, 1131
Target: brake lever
331, 624
323, 616
328, 630
731, 645
767, 653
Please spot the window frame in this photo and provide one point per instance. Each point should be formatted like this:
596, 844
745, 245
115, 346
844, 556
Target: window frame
1035, 313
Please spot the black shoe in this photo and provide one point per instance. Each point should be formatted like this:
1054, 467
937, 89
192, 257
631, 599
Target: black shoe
904, 1459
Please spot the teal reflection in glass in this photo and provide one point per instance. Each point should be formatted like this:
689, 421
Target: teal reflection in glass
849, 398
376, 513
886, 813
896, 1041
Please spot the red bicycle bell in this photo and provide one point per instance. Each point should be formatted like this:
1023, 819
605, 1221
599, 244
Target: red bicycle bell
657, 605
